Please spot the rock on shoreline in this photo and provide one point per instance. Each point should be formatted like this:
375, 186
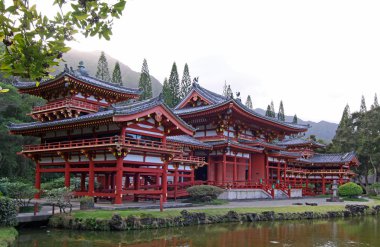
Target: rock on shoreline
118, 223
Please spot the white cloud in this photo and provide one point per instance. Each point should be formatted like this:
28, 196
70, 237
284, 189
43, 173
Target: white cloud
314, 55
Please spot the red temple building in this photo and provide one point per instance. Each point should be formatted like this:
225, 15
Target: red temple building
123, 149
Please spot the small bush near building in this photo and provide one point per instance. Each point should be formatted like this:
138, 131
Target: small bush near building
204, 193
21, 192
86, 202
61, 198
350, 189
8, 212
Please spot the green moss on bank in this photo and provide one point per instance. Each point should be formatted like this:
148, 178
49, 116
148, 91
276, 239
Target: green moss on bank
7, 236
106, 214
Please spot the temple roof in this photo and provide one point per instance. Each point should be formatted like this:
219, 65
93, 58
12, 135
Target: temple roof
232, 143
330, 158
299, 142
119, 109
188, 141
190, 110
81, 75
285, 154
260, 142
212, 97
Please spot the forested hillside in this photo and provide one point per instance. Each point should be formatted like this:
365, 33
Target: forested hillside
13, 108
130, 78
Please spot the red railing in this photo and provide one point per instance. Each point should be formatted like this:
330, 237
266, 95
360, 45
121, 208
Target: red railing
189, 159
66, 103
105, 141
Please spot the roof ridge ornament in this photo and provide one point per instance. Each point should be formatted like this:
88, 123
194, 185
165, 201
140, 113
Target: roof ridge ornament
82, 69
195, 81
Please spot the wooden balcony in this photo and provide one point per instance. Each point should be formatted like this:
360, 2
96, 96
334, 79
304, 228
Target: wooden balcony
66, 103
199, 161
103, 143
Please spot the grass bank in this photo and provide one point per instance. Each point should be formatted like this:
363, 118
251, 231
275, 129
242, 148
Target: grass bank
7, 236
106, 214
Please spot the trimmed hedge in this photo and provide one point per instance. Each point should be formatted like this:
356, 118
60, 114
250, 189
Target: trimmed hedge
204, 193
8, 212
350, 189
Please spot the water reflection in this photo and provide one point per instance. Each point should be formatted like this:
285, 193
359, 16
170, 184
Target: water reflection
353, 232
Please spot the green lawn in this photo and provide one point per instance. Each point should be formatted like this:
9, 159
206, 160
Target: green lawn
7, 236
209, 211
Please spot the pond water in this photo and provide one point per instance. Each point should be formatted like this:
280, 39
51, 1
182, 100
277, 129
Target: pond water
360, 231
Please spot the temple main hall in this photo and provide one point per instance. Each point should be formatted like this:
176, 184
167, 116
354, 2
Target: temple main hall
123, 149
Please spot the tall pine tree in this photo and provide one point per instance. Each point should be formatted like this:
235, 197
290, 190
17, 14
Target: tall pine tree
145, 82
295, 119
281, 113
166, 93
363, 107
273, 112
185, 82
375, 103
174, 86
248, 103
343, 139
268, 113
102, 71
116, 74
225, 89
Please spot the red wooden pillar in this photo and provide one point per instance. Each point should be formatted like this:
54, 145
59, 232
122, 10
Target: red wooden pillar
285, 168
37, 182
323, 184
266, 169
164, 181
67, 173
250, 164
192, 175
107, 181
235, 170
175, 181
83, 182
136, 185
119, 181
224, 169
278, 172
209, 168
91, 178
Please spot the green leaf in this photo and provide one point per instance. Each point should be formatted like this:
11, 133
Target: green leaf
120, 6
80, 16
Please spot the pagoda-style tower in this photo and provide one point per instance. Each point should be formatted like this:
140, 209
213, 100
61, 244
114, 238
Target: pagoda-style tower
118, 148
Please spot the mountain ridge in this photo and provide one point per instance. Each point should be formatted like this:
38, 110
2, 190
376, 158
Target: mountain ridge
130, 78
322, 130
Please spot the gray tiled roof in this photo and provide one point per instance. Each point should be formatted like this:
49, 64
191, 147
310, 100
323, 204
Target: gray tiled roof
288, 154
84, 118
214, 98
298, 141
332, 158
185, 139
261, 142
81, 77
123, 108
189, 110
235, 143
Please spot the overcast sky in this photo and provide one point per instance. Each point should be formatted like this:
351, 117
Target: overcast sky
316, 56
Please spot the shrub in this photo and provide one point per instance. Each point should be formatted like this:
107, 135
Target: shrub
3, 182
350, 189
8, 212
21, 192
204, 193
86, 202
375, 188
61, 198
